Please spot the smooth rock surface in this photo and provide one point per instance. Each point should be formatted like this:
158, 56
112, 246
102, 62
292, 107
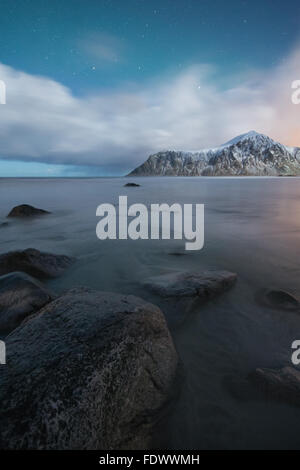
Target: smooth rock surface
91, 370
35, 263
205, 285
20, 296
25, 210
278, 384
279, 300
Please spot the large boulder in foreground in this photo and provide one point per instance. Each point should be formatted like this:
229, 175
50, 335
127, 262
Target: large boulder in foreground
91, 370
35, 263
20, 296
25, 210
278, 384
204, 285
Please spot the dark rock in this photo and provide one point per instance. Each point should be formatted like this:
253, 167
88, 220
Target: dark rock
177, 253
181, 293
4, 224
279, 299
91, 370
35, 263
278, 384
26, 210
205, 285
20, 296
131, 185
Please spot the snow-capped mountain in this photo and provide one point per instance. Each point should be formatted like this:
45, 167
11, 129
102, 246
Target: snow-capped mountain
250, 154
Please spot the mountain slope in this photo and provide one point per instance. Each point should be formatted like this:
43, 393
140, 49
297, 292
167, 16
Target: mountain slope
251, 154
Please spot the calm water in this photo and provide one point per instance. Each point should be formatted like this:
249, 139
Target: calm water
252, 227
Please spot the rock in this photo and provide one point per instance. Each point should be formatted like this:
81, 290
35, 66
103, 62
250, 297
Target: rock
204, 285
179, 294
4, 224
20, 296
177, 253
91, 370
131, 185
279, 299
26, 210
278, 384
35, 263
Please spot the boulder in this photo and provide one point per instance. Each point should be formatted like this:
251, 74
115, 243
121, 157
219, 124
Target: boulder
204, 285
26, 210
278, 384
279, 299
20, 296
35, 263
91, 370
131, 185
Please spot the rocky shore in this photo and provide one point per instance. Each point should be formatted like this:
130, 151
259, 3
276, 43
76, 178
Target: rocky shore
88, 369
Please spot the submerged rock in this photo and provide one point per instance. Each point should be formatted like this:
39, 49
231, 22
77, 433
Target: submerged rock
91, 370
205, 285
20, 296
182, 293
25, 210
279, 299
278, 384
131, 185
35, 263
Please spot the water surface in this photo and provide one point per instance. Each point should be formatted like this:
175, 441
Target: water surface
252, 227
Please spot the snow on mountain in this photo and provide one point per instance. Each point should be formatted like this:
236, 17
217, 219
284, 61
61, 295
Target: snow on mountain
251, 154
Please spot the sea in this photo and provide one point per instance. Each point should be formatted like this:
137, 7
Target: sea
252, 228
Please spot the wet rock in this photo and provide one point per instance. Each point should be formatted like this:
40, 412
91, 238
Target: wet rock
180, 294
91, 370
279, 299
131, 185
20, 296
278, 384
204, 285
25, 210
177, 253
35, 263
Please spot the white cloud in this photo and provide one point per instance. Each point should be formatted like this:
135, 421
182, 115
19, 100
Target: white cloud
42, 121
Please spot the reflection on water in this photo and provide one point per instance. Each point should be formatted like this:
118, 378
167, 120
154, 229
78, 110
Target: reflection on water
252, 227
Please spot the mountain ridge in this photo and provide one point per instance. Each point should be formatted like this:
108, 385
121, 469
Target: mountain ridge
249, 154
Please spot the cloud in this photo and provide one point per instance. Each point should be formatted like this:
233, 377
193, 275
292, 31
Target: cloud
103, 48
117, 130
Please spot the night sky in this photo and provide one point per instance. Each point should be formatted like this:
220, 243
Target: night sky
93, 87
